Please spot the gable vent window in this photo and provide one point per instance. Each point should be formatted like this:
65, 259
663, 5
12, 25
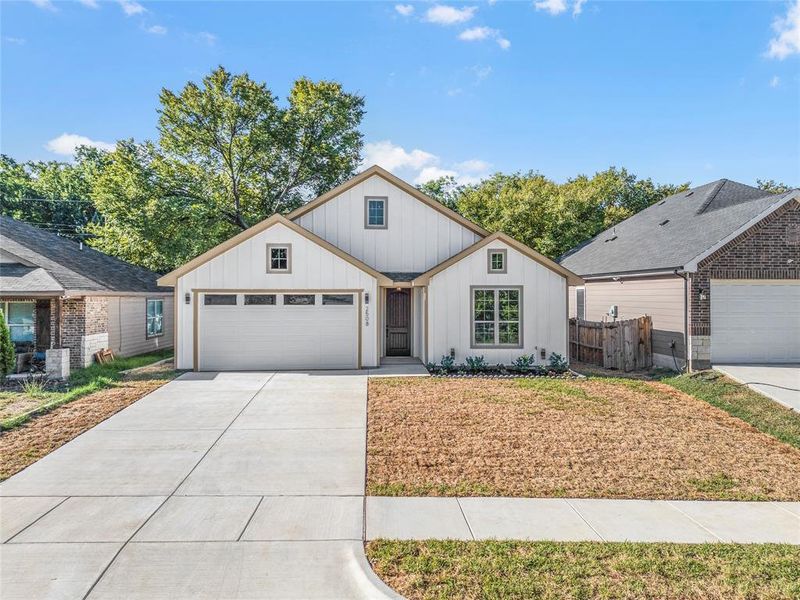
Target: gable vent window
279, 258
375, 210
496, 261
664, 222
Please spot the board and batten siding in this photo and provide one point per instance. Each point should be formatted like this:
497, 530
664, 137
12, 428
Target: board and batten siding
659, 297
544, 307
127, 325
244, 267
416, 239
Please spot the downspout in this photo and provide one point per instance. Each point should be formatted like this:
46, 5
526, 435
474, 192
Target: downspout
687, 360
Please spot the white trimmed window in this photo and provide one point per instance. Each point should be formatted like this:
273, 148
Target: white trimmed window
496, 317
155, 317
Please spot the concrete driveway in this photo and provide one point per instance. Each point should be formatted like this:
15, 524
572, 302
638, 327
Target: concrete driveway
781, 383
217, 485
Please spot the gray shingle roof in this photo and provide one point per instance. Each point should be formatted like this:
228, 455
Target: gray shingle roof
75, 269
398, 276
668, 234
21, 279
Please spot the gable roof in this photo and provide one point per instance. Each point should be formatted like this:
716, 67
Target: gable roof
572, 278
73, 267
396, 181
673, 231
172, 277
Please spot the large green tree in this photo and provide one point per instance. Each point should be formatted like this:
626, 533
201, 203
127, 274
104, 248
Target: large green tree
552, 217
229, 155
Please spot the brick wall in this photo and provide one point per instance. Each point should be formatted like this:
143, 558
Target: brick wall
768, 250
84, 328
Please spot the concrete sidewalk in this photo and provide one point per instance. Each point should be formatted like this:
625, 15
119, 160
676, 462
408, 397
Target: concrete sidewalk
561, 519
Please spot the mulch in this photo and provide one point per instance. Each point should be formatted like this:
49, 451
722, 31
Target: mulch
578, 438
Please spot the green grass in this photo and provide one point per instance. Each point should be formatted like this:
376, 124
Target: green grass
81, 383
741, 402
495, 569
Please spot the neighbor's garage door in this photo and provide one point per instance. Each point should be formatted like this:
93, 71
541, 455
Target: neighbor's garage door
267, 331
755, 322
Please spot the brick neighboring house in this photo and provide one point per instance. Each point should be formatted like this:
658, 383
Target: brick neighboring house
57, 293
718, 265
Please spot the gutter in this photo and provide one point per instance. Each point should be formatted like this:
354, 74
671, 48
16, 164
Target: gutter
687, 359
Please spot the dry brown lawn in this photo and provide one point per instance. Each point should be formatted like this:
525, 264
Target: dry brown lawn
574, 438
38, 437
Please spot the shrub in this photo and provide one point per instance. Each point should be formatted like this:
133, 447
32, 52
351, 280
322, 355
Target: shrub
558, 363
476, 363
448, 362
7, 354
523, 363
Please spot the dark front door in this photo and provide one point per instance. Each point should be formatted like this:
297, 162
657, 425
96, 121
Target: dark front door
398, 322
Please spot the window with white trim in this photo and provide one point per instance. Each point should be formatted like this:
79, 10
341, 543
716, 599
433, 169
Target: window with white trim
279, 258
19, 317
155, 317
497, 317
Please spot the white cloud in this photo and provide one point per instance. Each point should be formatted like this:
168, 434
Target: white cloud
420, 166
130, 7
14, 40
404, 9
775, 81
787, 40
449, 15
577, 8
475, 34
479, 34
208, 38
157, 30
554, 7
66, 143
44, 5
430, 173
90, 3
474, 165
390, 157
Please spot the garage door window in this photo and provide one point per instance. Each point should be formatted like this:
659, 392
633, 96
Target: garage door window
259, 299
337, 299
220, 300
298, 299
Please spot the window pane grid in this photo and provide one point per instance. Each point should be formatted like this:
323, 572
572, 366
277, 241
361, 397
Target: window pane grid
376, 216
496, 317
155, 318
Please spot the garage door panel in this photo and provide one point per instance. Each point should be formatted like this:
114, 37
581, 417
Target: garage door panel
754, 322
279, 336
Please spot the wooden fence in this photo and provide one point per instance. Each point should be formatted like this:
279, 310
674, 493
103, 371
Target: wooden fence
622, 345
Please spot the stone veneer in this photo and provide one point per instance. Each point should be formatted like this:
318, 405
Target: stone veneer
768, 250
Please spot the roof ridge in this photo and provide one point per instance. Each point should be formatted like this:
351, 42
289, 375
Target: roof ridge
712, 194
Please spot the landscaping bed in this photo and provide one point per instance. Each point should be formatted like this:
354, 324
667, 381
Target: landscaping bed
97, 395
584, 438
472, 570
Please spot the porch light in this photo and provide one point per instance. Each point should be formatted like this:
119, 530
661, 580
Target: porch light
366, 297
188, 298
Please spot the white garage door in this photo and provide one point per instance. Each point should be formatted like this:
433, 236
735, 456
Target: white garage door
755, 322
269, 331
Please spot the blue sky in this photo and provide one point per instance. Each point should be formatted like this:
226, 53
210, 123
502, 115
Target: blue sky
676, 91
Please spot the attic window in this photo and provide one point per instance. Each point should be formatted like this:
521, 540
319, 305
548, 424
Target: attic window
611, 239
664, 222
